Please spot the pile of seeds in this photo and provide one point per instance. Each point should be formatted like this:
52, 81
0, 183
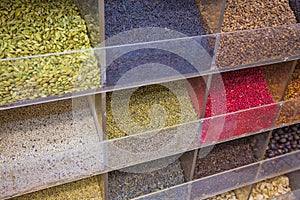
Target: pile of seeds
89, 11
38, 141
211, 14
242, 89
45, 128
182, 16
124, 185
289, 112
225, 156
34, 28
225, 196
263, 190
293, 90
155, 63
152, 20
83, 189
271, 188
284, 140
252, 46
149, 108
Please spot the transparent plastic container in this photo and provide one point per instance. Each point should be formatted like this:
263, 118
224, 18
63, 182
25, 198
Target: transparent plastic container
47, 144
294, 184
92, 71
92, 187
235, 178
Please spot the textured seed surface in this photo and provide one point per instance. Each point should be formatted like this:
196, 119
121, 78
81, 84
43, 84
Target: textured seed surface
293, 90
89, 188
270, 188
243, 89
150, 108
224, 157
257, 45
38, 141
182, 16
46, 128
242, 15
225, 196
284, 140
124, 185
210, 14
290, 111
31, 28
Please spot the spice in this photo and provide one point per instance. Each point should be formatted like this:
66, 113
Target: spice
182, 16
289, 112
225, 196
124, 185
242, 89
270, 188
82, 189
148, 64
211, 14
225, 156
153, 20
248, 47
41, 28
40, 140
149, 108
45, 128
293, 90
284, 140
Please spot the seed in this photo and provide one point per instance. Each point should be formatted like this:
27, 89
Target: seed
41, 38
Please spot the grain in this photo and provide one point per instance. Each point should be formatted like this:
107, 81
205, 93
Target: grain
182, 16
289, 112
46, 143
248, 47
89, 188
141, 21
211, 14
45, 128
123, 185
270, 188
40, 28
243, 15
225, 156
170, 102
225, 196
293, 90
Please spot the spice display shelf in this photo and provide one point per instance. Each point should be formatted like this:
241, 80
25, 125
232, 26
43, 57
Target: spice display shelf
93, 49
198, 62
95, 158
232, 179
